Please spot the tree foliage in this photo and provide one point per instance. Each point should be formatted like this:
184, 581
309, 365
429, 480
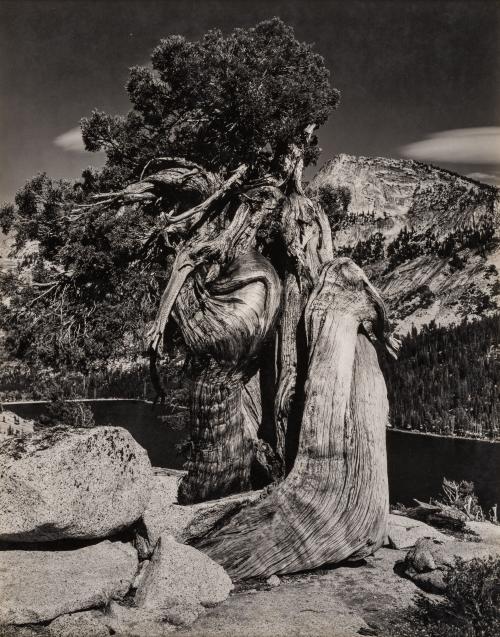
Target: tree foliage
410, 244
221, 101
365, 252
335, 202
85, 289
96, 272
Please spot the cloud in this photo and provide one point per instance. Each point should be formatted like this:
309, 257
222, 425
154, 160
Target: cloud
71, 141
486, 178
479, 145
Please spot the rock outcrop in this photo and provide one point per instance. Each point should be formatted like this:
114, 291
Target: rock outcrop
36, 586
63, 488
403, 532
385, 196
181, 576
71, 483
428, 561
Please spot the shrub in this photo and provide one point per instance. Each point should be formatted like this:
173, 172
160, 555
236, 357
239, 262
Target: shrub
461, 496
470, 608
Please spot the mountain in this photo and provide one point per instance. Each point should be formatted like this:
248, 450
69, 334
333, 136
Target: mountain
427, 238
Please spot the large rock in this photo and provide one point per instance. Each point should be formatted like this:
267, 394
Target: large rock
429, 560
36, 586
488, 533
403, 532
430, 581
180, 575
163, 514
71, 483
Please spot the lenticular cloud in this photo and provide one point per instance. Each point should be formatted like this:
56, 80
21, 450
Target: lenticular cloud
71, 141
479, 145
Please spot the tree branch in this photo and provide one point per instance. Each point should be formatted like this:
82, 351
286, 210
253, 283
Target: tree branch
205, 205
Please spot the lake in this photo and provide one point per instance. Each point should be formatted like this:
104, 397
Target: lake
417, 462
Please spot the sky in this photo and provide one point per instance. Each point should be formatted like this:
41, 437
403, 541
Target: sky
418, 78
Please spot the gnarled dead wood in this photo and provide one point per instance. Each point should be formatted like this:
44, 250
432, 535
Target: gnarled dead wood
210, 249
333, 504
178, 176
307, 239
215, 196
224, 325
309, 245
438, 514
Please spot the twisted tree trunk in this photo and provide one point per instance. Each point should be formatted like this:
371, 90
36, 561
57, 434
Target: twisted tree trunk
330, 404
225, 325
309, 245
333, 504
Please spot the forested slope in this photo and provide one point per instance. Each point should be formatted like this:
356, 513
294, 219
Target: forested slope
447, 379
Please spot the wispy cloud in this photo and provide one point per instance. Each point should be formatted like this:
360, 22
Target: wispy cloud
479, 145
71, 141
486, 178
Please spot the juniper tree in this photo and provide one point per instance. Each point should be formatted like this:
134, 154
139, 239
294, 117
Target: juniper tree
199, 218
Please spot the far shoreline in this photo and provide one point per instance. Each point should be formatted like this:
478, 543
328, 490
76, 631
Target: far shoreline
413, 432
447, 436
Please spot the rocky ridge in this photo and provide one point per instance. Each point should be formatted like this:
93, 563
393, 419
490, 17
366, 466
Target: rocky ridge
442, 211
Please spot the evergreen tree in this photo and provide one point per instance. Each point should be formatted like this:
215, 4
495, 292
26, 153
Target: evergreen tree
447, 379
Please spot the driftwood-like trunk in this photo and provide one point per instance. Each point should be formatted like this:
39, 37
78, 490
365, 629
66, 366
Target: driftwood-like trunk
299, 340
307, 236
334, 503
225, 325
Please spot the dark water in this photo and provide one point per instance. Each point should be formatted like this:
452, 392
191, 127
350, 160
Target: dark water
417, 463
147, 424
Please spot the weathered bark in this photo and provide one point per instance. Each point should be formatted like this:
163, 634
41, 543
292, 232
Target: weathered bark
333, 504
179, 180
308, 241
225, 298
308, 244
252, 407
224, 324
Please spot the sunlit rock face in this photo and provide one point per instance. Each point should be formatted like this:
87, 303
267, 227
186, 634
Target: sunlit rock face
71, 484
39, 585
436, 206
